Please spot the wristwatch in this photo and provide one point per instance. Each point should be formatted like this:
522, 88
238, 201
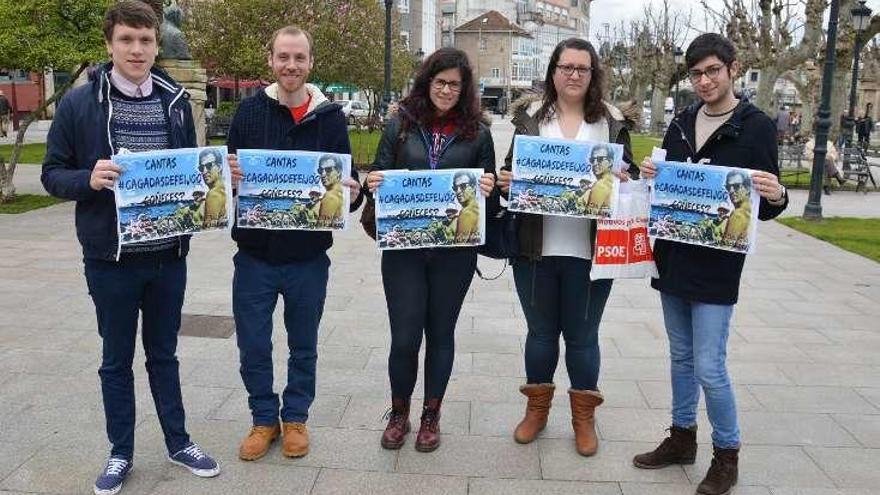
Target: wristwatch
781, 196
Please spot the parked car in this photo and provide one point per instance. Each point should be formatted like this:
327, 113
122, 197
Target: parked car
354, 110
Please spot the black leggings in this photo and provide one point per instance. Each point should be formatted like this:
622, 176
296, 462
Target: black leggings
424, 290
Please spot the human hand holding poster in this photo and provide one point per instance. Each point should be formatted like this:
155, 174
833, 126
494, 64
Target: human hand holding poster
293, 190
564, 177
167, 193
430, 208
707, 205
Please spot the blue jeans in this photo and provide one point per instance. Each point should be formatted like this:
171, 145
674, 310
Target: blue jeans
121, 290
424, 290
558, 298
698, 353
255, 289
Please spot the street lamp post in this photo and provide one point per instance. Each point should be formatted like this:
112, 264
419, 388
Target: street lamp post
678, 56
861, 16
813, 209
386, 98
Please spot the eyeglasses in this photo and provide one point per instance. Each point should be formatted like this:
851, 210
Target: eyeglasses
461, 187
735, 186
568, 70
711, 72
601, 158
207, 165
439, 84
326, 170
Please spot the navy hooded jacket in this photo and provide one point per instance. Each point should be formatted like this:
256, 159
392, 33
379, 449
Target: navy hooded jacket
80, 136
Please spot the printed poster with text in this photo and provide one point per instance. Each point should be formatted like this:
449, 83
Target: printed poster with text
293, 190
564, 177
167, 193
430, 208
707, 205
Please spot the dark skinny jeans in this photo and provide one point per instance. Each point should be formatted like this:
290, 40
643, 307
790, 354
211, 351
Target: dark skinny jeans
558, 297
424, 290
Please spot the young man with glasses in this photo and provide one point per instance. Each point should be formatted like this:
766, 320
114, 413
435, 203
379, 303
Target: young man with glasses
698, 285
128, 103
329, 208
290, 114
467, 222
214, 206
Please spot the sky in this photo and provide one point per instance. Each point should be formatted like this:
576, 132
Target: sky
615, 11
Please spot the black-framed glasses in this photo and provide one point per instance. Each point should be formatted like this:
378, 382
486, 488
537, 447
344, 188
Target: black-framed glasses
326, 170
569, 69
735, 186
462, 186
439, 84
601, 158
710, 72
207, 165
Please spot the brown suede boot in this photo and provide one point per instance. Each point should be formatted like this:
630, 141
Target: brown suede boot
257, 442
583, 405
398, 425
680, 447
722, 474
296, 440
537, 409
428, 438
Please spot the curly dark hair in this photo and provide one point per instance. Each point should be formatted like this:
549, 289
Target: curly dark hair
594, 107
418, 107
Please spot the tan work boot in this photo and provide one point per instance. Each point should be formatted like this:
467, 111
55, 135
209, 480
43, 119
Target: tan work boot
537, 409
296, 439
258, 441
583, 406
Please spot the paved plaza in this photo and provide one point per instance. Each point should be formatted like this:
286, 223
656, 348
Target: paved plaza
804, 354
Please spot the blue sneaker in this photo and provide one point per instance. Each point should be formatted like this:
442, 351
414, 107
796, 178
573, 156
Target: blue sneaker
110, 480
198, 462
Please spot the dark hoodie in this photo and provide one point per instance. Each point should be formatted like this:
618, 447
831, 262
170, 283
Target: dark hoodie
80, 136
747, 140
261, 122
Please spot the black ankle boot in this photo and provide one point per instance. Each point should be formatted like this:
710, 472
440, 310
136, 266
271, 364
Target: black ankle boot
680, 447
722, 474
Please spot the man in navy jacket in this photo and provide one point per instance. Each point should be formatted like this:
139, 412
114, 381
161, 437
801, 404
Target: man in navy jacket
129, 104
698, 285
288, 115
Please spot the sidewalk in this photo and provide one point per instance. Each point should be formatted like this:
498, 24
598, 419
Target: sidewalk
804, 354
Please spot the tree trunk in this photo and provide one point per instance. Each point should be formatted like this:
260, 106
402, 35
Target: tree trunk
7, 172
766, 99
658, 110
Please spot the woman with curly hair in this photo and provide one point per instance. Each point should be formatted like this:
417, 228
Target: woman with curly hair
438, 125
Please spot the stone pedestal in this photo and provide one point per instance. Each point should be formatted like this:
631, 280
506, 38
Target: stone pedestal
191, 75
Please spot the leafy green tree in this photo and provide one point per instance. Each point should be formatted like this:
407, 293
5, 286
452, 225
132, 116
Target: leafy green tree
37, 35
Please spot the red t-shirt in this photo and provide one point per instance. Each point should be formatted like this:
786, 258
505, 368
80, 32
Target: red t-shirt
299, 112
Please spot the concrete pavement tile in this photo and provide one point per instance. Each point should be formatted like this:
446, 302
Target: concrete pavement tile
339, 481
757, 373
865, 428
362, 383
850, 337
768, 353
635, 368
326, 409
494, 364
378, 361
379, 336
640, 425
848, 468
620, 393
867, 353
613, 462
659, 396
332, 357
42, 339
667, 489
73, 469
781, 335
768, 466
487, 388
822, 491
473, 456
488, 343
505, 326
369, 414
839, 375
811, 399
13, 455
47, 362
483, 486
214, 373
241, 477
871, 394
200, 348
342, 448
498, 419
38, 424
773, 428
642, 348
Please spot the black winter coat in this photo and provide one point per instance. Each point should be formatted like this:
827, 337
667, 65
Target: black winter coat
747, 140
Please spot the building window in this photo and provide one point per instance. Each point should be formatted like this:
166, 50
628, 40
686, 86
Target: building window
483, 44
753, 76
496, 72
514, 71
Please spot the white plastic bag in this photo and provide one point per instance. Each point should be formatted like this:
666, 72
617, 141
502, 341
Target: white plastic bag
623, 249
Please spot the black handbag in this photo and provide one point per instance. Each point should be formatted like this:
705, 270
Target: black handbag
501, 236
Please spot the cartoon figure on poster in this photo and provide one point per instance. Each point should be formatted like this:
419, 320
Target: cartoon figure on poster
292, 190
565, 178
706, 205
172, 192
439, 208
